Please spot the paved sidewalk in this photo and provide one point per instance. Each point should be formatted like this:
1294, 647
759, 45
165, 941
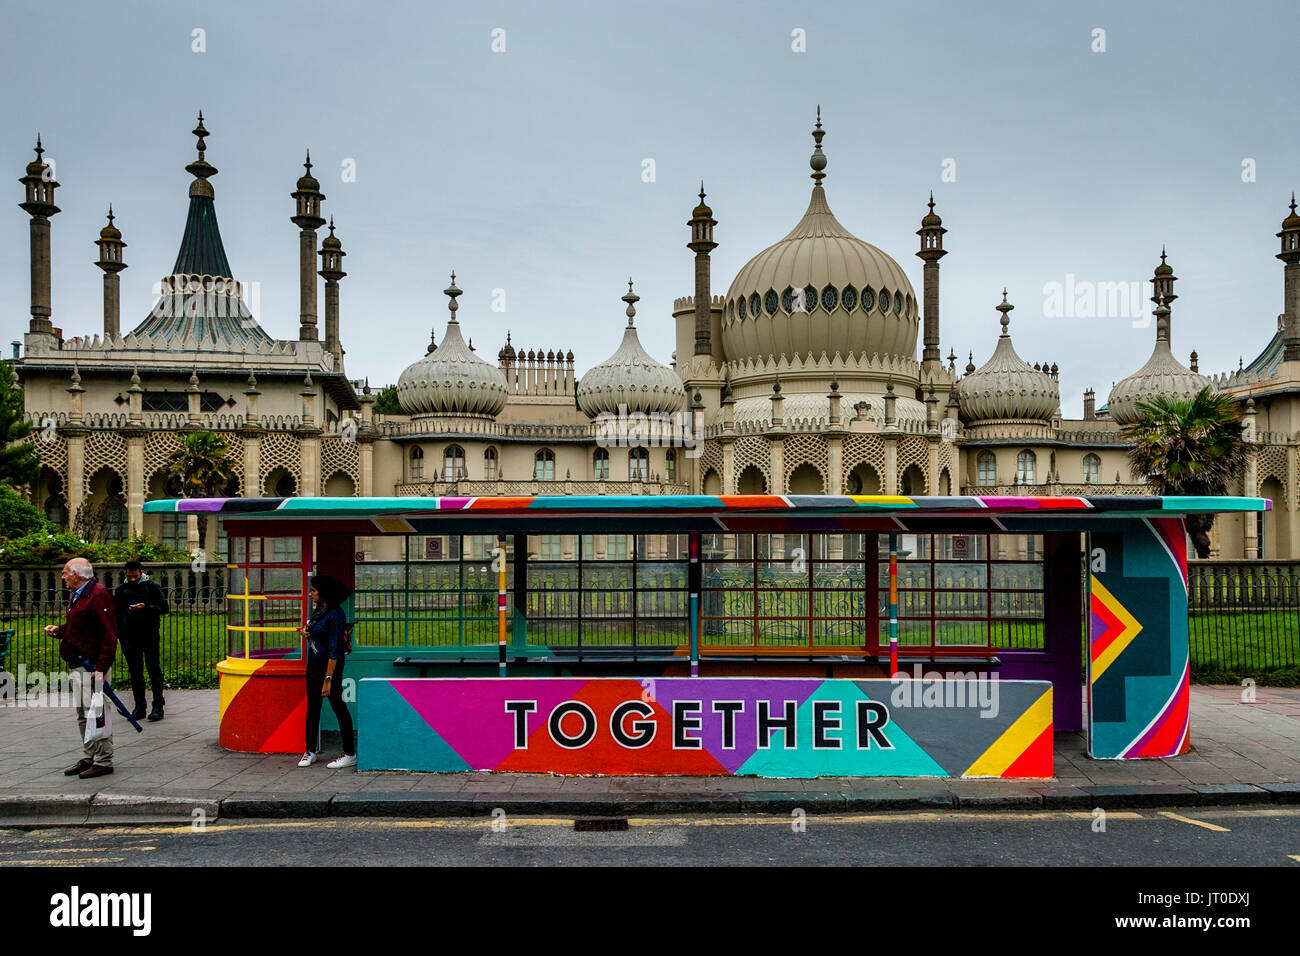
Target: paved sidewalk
1242, 753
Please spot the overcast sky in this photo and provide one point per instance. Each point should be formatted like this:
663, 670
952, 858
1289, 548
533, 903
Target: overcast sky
523, 169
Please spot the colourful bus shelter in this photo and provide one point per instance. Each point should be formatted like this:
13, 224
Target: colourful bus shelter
787, 636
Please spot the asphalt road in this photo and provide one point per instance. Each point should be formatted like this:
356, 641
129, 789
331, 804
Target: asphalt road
1227, 837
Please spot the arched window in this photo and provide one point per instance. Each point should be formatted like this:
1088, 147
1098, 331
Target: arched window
417, 463
1091, 469
115, 521
987, 466
638, 464
670, 465
544, 465
490, 464
600, 463
453, 463
1025, 468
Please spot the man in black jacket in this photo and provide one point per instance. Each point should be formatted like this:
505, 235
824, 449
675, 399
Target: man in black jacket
140, 603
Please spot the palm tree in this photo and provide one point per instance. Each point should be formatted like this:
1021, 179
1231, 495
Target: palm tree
1191, 447
199, 469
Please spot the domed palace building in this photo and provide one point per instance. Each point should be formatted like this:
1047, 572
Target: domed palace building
802, 378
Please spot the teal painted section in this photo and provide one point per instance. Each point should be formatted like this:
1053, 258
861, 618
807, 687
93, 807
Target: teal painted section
391, 734
906, 759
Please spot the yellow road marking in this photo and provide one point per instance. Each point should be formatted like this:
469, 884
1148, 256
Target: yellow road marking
1196, 823
92, 859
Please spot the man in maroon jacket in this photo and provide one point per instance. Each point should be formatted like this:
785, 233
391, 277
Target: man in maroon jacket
90, 634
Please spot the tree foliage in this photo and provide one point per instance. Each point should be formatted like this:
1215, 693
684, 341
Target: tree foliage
386, 401
19, 462
1192, 447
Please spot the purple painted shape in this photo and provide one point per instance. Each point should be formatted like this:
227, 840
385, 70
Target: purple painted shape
666, 690
1012, 501
201, 504
452, 504
471, 716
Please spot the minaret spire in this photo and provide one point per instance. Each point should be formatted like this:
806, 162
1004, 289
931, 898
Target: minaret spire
110, 260
39, 186
702, 244
331, 270
932, 250
307, 218
1290, 255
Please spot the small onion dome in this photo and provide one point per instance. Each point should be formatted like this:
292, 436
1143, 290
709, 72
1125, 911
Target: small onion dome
331, 241
1006, 387
307, 181
38, 165
1164, 269
1292, 221
931, 218
110, 231
702, 211
1162, 377
630, 378
507, 353
452, 380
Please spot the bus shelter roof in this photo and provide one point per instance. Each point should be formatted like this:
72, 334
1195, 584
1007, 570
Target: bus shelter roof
650, 514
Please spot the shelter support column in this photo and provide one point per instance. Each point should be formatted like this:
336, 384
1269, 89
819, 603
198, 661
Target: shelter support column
519, 626
1249, 523
1138, 655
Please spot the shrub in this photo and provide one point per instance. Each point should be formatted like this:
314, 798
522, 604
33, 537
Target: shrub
18, 516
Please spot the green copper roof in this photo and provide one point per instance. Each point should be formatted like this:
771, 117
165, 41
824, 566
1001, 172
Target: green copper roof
201, 250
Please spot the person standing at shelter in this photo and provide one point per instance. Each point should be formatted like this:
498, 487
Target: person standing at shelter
326, 637
88, 642
140, 604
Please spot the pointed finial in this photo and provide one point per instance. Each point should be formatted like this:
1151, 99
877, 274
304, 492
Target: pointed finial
701, 190
331, 225
931, 203
76, 376
1005, 308
307, 162
631, 299
970, 362
1162, 254
835, 383
38, 143
451, 292
40, 150
110, 214
252, 379
818, 161
507, 336
776, 385
135, 377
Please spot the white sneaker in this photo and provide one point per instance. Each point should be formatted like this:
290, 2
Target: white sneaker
307, 760
347, 760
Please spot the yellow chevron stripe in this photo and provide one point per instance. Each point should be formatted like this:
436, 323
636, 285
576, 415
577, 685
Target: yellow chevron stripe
1131, 630
881, 499
1015, 740
392, 525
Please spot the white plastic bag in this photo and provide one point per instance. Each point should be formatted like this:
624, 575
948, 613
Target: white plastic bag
96, 721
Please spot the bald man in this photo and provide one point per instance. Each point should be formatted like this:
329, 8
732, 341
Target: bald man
90, 635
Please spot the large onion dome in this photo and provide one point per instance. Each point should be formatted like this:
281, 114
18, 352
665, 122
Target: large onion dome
630, 378
1163, 376
820, 289
452, 380
1006, 387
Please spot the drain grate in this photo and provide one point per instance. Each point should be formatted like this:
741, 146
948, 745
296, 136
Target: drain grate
600, 825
